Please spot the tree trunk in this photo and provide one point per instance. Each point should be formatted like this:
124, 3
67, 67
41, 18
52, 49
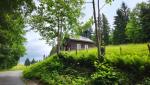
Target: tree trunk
58, 38
102, 50
96, 32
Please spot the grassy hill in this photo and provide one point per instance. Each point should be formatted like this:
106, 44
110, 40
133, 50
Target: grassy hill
123, 65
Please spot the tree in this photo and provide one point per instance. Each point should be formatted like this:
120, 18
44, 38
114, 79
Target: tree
119, 36
56, 19
145, 20
137, 28
133, 28
12, 23
98, 34
33, 61
105, 29
27, 62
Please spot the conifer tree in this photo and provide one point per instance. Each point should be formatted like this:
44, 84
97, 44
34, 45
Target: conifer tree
119, 35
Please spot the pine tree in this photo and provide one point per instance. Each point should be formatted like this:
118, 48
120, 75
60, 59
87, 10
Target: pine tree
27, 62
33, 61
145, 21
119, 36
133, 28
105, 29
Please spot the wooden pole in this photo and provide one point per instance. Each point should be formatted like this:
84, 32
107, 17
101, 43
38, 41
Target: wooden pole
96, 32
148, 45
102, 49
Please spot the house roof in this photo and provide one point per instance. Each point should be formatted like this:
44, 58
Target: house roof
81, 38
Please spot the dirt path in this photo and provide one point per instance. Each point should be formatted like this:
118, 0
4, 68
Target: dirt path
14, 78
11, 78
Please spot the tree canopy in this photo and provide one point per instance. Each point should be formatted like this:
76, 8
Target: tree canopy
56, 19
12, 30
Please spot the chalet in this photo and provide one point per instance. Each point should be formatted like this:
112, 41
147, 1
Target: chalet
78, 43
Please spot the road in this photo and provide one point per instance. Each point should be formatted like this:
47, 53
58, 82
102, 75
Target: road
11, 78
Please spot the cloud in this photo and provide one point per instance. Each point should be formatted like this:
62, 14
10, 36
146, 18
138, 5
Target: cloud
36, 48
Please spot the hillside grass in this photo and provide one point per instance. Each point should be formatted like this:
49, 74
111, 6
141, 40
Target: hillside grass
18, 67
15, 68
123, 64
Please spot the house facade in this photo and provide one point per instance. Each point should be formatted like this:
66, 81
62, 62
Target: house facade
78, 43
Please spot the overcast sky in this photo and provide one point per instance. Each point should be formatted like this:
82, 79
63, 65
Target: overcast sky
36, 48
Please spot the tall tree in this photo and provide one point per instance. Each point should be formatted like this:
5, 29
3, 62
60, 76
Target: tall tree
105, 29
119, 36
145, 21
55, 19
138, 28
11, 30
133, 28
33, 61
98, 26
27, 62
97, 32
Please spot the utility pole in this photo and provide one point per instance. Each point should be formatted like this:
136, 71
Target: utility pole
96, 32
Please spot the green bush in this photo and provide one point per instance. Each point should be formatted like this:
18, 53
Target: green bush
106, 75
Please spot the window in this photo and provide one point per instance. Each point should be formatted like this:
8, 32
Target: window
78, 46
86, 47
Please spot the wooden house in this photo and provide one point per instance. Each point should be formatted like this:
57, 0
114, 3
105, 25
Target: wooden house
78, 43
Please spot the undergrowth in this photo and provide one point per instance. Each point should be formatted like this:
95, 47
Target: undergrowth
123, 65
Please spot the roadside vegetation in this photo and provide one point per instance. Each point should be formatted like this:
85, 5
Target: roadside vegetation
18, 67
124, 64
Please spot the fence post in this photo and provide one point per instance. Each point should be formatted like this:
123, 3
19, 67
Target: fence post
148, 45
76, 51
120, 50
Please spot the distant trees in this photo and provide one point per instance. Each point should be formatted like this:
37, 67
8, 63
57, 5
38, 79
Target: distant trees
121, 20
33, 61
27, 62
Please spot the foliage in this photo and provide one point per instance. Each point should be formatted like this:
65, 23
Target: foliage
56, 19
84, 27
137, 28
130, 65
105, 29
119, 36
11, 44
106, 75
145, 20
53, 71
27, 62
133, 29
33, 61
18, 67
11, 30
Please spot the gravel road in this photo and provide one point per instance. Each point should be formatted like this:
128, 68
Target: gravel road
11, 78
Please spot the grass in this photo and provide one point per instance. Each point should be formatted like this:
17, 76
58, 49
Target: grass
123, 64
18, 67
15, 68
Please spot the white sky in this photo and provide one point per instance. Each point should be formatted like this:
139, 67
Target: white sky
37, 48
